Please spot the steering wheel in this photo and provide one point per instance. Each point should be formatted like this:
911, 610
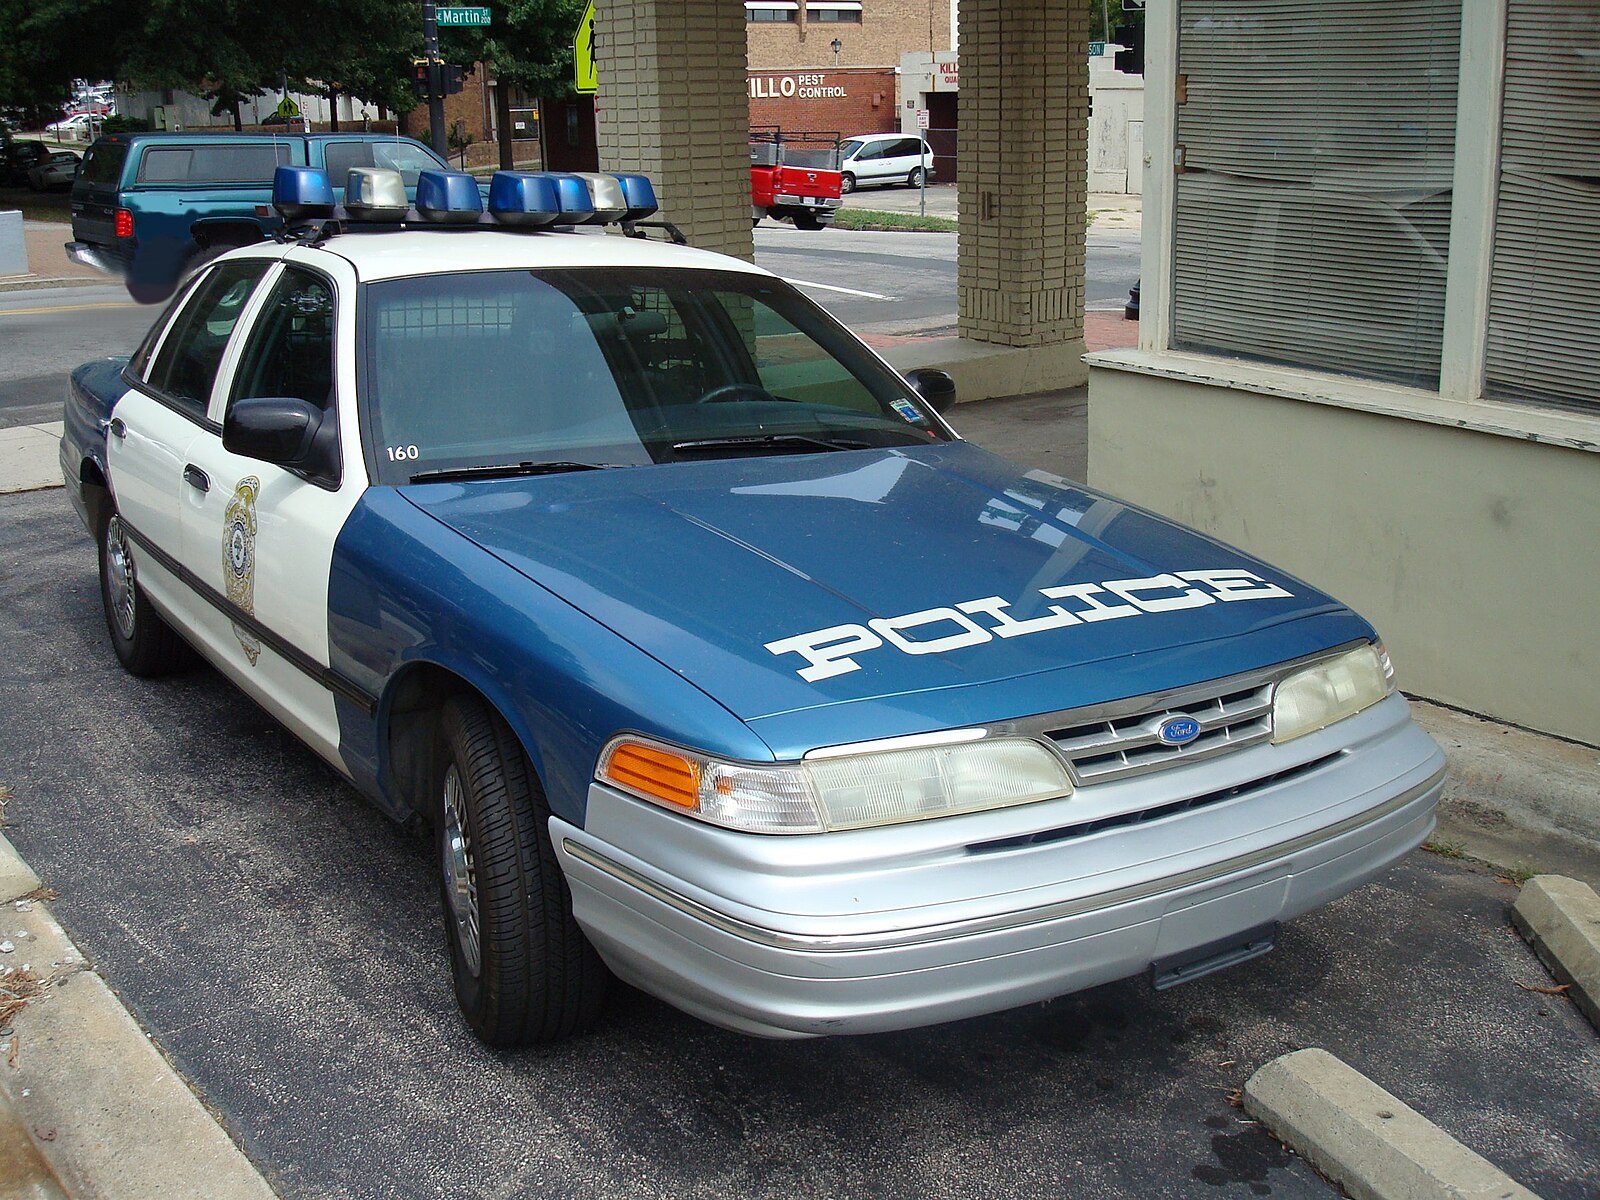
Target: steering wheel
735, 391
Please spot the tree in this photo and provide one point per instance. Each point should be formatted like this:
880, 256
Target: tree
529, 45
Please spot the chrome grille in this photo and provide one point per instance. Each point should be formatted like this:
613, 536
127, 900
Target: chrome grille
1115, 747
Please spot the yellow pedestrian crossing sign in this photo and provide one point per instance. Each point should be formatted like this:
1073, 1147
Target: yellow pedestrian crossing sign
585, 74
288, 108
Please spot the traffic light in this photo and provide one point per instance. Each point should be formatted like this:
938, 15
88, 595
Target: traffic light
1130, 61
441, 79
419, 78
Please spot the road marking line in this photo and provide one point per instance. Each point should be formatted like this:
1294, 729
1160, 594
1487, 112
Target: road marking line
65, 308
828, 287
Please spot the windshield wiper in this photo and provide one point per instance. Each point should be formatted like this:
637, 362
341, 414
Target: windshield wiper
785, 443
507, 470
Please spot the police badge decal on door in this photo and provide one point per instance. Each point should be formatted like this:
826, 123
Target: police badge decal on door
239, 558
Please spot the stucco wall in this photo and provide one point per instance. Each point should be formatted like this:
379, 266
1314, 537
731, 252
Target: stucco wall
1474, 554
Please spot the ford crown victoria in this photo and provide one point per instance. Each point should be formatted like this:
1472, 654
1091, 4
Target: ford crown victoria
713, 656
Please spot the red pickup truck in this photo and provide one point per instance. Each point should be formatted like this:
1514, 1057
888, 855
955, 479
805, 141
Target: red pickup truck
794, 176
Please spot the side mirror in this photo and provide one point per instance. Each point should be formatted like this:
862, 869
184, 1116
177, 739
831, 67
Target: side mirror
936, 387
281, 430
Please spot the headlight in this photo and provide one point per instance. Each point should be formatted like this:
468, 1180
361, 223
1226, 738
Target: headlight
1330, 691
837, 791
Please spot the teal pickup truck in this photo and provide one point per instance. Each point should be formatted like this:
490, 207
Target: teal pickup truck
150, 207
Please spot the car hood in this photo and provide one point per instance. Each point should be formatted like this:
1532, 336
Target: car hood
753, 577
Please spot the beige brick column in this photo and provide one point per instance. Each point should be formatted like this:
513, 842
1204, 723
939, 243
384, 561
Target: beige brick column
1023, 147
674, 105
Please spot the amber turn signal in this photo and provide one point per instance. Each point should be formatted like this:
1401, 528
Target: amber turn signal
657, 773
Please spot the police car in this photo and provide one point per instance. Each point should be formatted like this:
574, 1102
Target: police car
717, 661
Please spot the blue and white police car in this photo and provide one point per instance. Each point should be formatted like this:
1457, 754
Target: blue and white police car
715, 658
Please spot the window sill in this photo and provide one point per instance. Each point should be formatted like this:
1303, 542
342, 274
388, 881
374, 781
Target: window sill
1575, 431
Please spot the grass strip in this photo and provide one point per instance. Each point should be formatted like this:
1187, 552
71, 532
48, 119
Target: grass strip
861, 218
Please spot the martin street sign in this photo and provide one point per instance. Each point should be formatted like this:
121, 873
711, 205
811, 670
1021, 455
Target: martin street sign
452, 17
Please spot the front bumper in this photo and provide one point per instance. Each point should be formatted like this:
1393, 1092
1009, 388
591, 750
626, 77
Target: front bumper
910, 925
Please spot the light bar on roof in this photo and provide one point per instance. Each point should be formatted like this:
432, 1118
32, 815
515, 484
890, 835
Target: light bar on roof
640, 195
448, 197
375, 194
301, 192
572, 197
606, 192
523, 198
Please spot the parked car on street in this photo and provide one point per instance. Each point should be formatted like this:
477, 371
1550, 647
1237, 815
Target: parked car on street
151, 206
77, 127
59, 170
884, 158
711, 653
794, 176
18, 158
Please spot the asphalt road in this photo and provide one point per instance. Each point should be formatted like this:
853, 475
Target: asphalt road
45, 333
896, 282
281, 941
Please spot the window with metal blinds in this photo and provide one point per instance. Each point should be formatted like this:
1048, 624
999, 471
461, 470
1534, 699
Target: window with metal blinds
1544, 283
1312, 212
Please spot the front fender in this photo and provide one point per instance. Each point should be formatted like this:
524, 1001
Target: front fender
405, 589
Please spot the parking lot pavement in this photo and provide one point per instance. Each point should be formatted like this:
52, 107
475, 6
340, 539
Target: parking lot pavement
281, 941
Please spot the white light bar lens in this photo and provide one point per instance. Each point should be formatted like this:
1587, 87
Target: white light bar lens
857, 791
1330, 691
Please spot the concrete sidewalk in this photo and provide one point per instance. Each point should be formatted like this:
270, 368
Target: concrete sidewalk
48, 264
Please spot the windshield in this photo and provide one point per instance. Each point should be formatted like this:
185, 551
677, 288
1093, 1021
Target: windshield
615, 367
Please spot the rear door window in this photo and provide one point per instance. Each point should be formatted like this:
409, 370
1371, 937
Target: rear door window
214, 164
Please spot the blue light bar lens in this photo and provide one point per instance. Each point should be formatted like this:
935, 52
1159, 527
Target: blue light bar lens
302, 192
640, 195
448, 196
523, 198
572, 195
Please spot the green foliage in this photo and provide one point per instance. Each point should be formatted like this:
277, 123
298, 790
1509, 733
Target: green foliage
124, 125
229, 50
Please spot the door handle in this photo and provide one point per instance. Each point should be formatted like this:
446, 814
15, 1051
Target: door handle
196, 478
118, 429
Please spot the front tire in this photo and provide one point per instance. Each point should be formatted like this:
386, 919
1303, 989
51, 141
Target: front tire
523, 970
143, 641
847, 184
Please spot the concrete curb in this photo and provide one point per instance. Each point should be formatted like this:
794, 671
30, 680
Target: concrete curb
1560, 917
30, 283
121, 1122
1365, 1140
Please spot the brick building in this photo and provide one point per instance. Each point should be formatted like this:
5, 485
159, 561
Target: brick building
833, 64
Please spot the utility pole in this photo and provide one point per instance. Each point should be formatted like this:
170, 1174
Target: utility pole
430, 48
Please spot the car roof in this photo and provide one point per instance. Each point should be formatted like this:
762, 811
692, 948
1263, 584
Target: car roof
397, 254
251, 136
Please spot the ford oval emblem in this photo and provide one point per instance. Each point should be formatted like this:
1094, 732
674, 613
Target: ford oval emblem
1178, 731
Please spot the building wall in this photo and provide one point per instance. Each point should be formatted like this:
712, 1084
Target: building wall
853, 100
1472, 553
887, 30
1116, 127
1466, 528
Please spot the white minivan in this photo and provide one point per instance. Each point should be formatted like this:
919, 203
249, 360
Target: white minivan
874, 158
